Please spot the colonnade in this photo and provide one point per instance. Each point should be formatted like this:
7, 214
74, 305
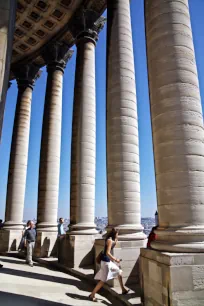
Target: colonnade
177, 125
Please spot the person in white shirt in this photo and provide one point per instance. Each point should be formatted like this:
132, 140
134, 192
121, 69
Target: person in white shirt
61, 230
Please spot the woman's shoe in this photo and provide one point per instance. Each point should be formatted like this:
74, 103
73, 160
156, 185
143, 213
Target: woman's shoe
125, 291
93, 299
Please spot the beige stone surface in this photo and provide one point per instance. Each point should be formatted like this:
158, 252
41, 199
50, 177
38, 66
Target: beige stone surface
48, 187
177, 125
7, 20
123, 173
46, 244
10, 240
165, 280
83, 156
39, 286
76, 251
18, 161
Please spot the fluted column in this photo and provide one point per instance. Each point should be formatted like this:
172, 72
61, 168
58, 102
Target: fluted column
123, 170
7, 26
56, 57
177, 124
26, 76
83, 157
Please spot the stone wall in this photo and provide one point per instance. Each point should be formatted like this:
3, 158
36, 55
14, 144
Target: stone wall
170, 279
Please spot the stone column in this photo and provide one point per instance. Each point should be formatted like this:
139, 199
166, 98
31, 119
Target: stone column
83, 157
177, 124
123, 170
77, 248
7, 24
178, 138
56, 57
26, 76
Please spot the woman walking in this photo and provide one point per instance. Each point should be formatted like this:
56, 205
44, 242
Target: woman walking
109, 269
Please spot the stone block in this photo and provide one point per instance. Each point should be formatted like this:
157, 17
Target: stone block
181, 278
197, 273
46, 244
171, 280
155, 272
10, 240
77, 251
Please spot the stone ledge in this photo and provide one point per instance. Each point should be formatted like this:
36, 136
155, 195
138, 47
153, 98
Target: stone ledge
175, 259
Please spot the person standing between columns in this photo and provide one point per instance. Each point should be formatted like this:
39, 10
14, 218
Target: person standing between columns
83, 156
30, 237
123, 169
177, 126
26, 77
56, 56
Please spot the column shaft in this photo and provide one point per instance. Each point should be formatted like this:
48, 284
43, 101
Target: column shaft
84, 141
123, 171
177, 124
48, 190
7, 25
18, 161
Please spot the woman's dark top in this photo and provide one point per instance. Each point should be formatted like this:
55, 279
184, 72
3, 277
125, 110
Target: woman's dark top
104, 257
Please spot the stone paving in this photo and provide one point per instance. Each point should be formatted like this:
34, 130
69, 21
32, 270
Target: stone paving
39, 286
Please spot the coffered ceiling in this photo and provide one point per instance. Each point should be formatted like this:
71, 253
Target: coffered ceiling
39, 22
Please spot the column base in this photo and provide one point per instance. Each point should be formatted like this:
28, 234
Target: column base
46, 244
129, 252
13, 226
82, 229
171, 278
10, 240
76, 251
181, 240
47, 227
128, 232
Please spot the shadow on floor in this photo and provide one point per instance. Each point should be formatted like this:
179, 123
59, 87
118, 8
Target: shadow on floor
60, 280
43, 277
13, 261
80, 298
7, 299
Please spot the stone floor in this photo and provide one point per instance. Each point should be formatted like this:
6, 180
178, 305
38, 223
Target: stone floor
40, 286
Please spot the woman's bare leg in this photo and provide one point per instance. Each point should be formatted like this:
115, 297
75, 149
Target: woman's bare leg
97, 288
124, 290
121, 282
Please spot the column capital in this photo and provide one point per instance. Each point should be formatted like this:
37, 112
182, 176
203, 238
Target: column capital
91, 33
26, 75
56, 56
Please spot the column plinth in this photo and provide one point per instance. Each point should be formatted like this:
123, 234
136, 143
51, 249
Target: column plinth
177, 125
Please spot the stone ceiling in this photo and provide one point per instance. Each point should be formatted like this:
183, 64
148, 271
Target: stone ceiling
39, 22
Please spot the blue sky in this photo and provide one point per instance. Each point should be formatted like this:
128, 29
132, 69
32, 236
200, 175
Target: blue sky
148, 190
